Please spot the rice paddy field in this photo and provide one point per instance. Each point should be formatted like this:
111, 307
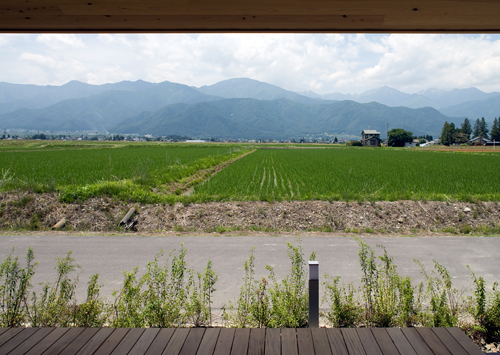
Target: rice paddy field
167, 173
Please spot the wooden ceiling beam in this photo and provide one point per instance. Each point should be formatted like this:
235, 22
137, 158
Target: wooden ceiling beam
384, 16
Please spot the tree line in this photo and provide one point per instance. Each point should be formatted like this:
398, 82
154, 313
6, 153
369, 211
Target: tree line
451, 134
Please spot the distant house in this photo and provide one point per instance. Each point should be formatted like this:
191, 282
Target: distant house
412, 144
481, 140
370, 138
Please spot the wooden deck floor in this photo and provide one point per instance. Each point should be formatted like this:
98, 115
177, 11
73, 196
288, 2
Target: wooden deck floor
199, 341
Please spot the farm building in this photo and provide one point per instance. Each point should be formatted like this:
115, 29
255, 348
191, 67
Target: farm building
370, 138
482, 141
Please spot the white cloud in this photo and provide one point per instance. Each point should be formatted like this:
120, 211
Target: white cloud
60, 41
319, 62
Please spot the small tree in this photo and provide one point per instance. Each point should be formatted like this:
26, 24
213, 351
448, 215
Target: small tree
495, 130
398, 136
448, 133
466, 128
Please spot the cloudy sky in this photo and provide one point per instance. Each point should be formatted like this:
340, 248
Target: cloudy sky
322, 63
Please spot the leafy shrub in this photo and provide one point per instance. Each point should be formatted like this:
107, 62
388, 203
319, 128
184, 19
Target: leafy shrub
15, 283
344, 311
485, 308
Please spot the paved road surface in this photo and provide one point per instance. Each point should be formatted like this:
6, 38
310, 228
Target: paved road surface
110, 255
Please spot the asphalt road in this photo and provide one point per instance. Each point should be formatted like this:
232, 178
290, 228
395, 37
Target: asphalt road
110, 255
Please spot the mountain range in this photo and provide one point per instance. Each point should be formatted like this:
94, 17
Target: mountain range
234, 108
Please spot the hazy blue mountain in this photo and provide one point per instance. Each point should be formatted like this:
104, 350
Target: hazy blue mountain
244, 88
489, 109
16, 96
101, 111
281, 119
425, 98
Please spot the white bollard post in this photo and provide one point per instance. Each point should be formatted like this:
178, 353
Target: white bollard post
313, 294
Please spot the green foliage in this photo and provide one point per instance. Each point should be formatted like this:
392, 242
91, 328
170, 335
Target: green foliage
94, 312
397, 137
495, 131
445, 300
344, 310
485, 308
15, 283
55, 305
389, 298
466, 128
480, 128
270, 303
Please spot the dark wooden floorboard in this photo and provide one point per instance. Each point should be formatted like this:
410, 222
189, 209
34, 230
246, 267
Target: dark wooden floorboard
176, 341
161, 341
3, 330
416, 341
464, 341
47, 342
451, 344
96, 341
273, 342
257, 341
352, 341
433, 341
289, 341
208, 342
144, 342
384, 341
10, 333
17, 340
33, 340
240, 341
337, 343
305, 341
79, 341
112, 341
368, 341
128, 342
400, 341
224, 342
320, 341
193, 341
64, 341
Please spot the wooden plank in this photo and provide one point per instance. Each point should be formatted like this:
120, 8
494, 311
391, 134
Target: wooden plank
368, 341
33, 340
416, 341
451, 344
112, 341
47, 342
208, 342
144, 342
193, 341
3, 330
337, 343
61, 343
384, 341
273, 342
433, 341
256, 345
161, 341
224, 342
400, 341
320, 341
465, 341
289, 341
8, 334
352, 341
128, 342
240, 341
96, 341
305, 341
176, 341
79, 341
15, 341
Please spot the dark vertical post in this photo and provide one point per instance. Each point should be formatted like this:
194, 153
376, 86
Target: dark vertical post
313, 294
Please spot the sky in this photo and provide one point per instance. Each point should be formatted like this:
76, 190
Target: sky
323, 63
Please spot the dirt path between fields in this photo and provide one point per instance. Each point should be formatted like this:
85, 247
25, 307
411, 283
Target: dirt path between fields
29, 211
